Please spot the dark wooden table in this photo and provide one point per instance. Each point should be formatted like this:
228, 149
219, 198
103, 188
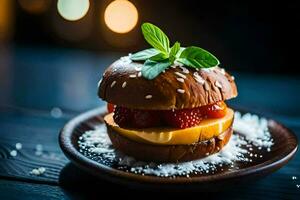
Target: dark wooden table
41, 89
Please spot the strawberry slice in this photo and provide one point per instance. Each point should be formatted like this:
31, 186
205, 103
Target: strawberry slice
216, 110
110, 107
122, 116
145, 119
183, 118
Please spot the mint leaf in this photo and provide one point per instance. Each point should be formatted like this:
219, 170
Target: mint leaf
159, 57
156, 37
173, 52
144, 55
180, 51
151, 68
198, 58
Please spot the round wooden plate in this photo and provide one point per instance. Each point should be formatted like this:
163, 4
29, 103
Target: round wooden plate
285, 146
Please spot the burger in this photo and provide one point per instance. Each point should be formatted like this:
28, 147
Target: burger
167, 104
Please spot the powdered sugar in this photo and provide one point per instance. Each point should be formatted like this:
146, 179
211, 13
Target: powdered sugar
253, 133
248, 124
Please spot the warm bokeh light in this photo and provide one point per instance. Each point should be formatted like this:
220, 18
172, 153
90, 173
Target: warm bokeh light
121, 16
73, 10
6, 19
35, 6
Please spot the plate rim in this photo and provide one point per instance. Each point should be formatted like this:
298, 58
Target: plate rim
88, 164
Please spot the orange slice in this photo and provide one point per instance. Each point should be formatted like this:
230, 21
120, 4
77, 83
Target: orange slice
207, 129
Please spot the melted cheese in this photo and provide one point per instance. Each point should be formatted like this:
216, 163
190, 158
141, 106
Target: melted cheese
207, 129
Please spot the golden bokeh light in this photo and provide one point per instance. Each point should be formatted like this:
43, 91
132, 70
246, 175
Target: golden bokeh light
73, 10
121, 16
34, 6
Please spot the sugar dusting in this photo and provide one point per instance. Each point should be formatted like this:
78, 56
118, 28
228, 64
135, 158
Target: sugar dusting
253, 130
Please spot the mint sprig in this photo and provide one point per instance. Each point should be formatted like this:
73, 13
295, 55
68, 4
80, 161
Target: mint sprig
161, 56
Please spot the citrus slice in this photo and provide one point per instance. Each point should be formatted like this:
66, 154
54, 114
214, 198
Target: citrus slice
207, 129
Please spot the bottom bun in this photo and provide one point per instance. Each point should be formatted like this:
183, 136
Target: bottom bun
168, 153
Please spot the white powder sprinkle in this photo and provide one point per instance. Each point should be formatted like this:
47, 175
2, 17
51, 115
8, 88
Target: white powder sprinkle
18, 146
13, 153
180, 80
180, 75
248, 124
132, 76
125, 60
218, 84
149, 96
56, 112
38, 171
298, 186
113, 83
99, 82
96, 145
138, 68
222, 70
181, 91
124, 84
294, 177
208, 69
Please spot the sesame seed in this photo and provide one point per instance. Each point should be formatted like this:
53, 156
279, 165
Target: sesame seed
198, 78
218, 84
139, 74
173, 66
180, 80
178, 64
113, 83
181, 75
149, 96
232, 77
132, 76
184, 70
181, 91
164, 71
206, 86
207, 154
124, 84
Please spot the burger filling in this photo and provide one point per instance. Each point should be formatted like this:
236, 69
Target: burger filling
181, 118
167, 135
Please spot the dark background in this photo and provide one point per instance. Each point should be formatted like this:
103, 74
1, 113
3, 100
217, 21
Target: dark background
50, 67
257, 36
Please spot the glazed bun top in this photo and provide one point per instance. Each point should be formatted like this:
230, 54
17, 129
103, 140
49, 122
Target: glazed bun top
175, 88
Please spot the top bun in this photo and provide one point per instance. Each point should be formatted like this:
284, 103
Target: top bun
176, 88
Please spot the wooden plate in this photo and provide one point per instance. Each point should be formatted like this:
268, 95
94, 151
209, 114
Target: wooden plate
285, 146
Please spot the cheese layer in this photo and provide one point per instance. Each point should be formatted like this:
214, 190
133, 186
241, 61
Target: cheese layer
207, 129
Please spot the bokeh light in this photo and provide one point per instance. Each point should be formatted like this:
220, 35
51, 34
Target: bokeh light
73, 10
6, 19
35, 6
121, 16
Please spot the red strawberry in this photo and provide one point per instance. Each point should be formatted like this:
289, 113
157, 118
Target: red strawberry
110, 107
122, 116
183, 118
145, 119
